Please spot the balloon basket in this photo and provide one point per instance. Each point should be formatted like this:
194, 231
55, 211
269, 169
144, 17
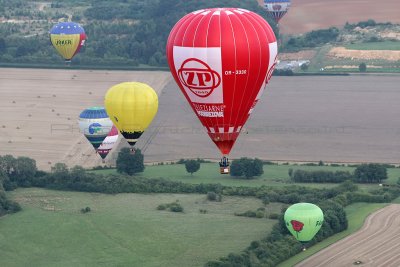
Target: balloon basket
224, 170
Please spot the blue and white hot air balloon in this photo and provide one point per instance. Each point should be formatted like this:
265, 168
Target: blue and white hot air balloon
95, 124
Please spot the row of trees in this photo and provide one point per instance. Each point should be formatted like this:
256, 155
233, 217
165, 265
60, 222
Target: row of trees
312, 39
364, 173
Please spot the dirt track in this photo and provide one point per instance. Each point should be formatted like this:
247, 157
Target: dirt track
375, 245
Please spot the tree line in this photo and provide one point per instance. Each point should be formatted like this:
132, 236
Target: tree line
364, 173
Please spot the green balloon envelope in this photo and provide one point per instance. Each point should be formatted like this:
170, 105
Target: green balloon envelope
304, 220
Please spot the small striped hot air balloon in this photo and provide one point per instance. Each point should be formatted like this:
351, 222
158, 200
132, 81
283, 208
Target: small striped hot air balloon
67, 38
108, 143
95, 124
276, 8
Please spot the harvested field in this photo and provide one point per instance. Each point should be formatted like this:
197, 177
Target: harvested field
40, 109
344, 118
340, 119
305, 16
342, 52
375, 245
301, 55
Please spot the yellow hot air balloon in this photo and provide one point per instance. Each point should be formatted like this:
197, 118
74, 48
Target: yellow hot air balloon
131, 106
67, 38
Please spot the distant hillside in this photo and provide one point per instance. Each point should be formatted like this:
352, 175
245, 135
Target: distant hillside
308, 15
121, 33
374, 44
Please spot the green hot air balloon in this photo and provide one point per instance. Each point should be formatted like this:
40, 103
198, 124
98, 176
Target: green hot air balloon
304, 220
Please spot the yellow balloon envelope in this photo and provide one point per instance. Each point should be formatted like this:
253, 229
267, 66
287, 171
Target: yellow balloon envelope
131, 106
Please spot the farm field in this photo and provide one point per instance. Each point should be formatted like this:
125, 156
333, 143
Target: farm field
125, 229
41, 107
333, 119
330, 118
374, 245
309, 15
385, 45
356, 214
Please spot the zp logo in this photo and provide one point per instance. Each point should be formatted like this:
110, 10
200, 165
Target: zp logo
198, 77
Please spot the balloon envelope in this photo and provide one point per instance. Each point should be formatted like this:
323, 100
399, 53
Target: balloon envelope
277, 8
95, 124
131, 107
304, 220
222, 58
67, 38
108, 143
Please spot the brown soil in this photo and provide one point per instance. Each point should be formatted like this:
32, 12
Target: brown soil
301, 55
305, 16
342, 52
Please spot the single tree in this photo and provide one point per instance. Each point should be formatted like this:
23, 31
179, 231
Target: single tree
362, 67
236, 168
130, 162
304, 66
192, 166
25, 170
3, 47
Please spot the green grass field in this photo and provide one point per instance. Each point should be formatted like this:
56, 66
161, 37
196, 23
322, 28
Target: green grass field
125, 229
128, 230
274, 175
386, 45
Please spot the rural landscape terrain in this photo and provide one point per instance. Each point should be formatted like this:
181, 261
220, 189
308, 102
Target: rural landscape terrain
325, 131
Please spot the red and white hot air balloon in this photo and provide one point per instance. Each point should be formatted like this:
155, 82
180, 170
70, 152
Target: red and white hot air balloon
222, 58
108, 143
